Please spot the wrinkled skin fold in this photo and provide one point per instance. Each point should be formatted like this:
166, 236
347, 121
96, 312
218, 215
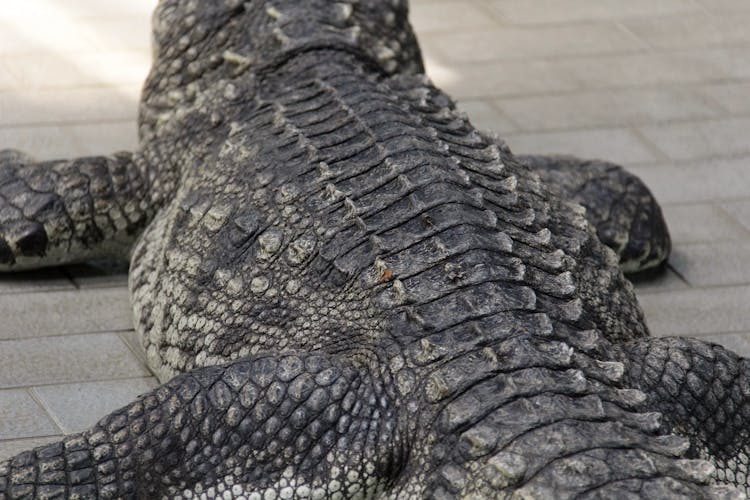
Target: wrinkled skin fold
350, 292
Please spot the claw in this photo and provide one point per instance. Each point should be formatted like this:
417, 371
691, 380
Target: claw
6, 254
32, 240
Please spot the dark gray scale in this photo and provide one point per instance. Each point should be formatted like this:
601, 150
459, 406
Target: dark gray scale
349, 292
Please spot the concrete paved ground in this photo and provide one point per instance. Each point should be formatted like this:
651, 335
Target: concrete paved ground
662, 87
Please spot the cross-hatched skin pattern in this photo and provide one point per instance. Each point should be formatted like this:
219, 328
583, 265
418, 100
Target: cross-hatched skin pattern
349, 292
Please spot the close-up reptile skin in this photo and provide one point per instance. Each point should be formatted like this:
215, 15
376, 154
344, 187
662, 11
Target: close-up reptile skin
348, 291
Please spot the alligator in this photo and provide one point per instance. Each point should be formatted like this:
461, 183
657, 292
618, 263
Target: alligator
348, 291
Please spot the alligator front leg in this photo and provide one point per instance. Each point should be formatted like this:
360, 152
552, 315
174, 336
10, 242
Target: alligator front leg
302, 426
703, 392
58, 212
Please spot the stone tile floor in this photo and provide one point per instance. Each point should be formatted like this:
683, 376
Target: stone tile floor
662, 87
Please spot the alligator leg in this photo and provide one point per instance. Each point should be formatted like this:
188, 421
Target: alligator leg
703, 393
302, 426
618, 204
57, 212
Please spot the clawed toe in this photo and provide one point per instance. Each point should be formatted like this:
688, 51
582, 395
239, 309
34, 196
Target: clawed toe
22, 239
6, 254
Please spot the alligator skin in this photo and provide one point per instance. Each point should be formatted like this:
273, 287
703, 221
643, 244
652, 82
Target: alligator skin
349, 292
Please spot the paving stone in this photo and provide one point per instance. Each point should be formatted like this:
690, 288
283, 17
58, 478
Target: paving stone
703, 222
575, 11
63, 312
701, 139
7, 79
133, 341
68, 105
604, 108
734, 61
42, 280
515, 78
511, 42
76, 407
485, 116
116, 34
44, 143
449, 16
105, 138
698, 311
734, 97
647, 68
618, 144
83, 9
738, 211
48, 34
21, 416
663, 280
739, 343
13, 447
694, 30
704, 181
713, 264
71, 358
81, 70
725, 6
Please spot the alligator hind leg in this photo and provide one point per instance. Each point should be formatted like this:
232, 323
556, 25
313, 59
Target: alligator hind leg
65, 211
275, 426
618, 204
703, 393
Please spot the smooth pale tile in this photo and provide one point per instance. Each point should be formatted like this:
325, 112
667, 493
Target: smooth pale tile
71, 358
619, 145
511, 42
692, 30
483, 115
514, 78
607, 108
46, 107
43, 143
83, 9
574, 11
105, 138
133, 341
698, 311
701, 139
713, 264
22, 417
44, 34
65, 312
86, 69
735, 61
701, 223
449, 16
76, 407
734, 97
705, 181
669, 68
739, 211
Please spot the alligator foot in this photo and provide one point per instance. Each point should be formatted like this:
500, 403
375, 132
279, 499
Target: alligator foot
57, 212
618, 204
702, 392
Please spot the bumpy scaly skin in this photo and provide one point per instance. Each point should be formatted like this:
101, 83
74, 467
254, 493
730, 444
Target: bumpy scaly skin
618, 204
359, 295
